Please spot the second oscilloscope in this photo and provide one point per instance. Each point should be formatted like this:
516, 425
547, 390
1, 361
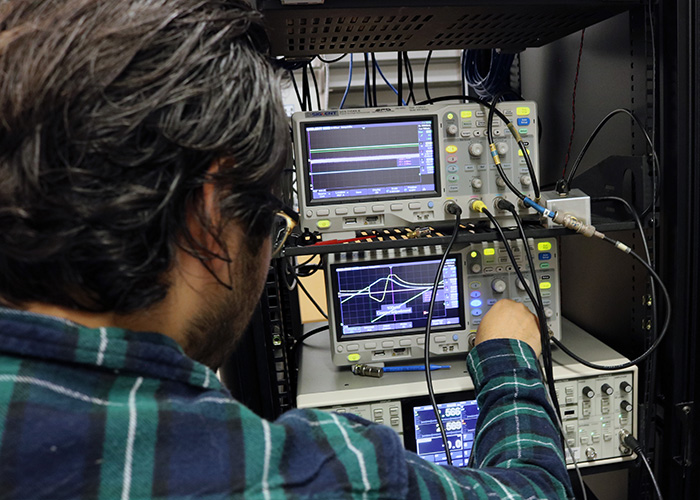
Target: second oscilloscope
378, 300
392, 167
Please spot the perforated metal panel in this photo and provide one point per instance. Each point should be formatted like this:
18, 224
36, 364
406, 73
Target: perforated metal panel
362, 26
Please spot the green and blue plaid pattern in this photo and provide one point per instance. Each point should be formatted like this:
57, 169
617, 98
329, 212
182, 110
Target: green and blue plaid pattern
112, 414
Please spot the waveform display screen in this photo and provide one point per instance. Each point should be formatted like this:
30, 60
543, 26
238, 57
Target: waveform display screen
370, 159
459, 419
393, 296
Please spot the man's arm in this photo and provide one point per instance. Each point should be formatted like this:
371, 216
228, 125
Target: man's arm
517, 448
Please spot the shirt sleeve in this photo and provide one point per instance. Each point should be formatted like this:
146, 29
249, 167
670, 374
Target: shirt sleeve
517, 451
517, 448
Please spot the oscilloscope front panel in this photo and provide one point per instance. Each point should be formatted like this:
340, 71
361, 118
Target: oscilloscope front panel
392, 167
378, 301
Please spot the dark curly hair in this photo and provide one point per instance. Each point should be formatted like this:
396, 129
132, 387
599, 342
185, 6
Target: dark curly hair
112, 114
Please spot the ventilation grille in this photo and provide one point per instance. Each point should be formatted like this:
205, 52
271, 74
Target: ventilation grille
307, 31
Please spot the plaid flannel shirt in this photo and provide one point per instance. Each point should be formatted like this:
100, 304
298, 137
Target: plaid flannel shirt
109, 413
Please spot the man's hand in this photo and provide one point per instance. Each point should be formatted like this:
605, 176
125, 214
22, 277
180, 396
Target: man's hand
510, 320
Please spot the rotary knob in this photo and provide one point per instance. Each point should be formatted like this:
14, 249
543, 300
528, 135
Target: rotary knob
452, 129
626, 387
591, 454
525, 180
607, 389
548, 312
476, 149
626, 406
520, 285
502, 148
498, 286
477, 183
588, 392
500, 182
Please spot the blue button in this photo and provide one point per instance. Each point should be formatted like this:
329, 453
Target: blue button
491, 302
475, 295
522, 122
476, 303
431, 204
545, 255
455, 337
476, 312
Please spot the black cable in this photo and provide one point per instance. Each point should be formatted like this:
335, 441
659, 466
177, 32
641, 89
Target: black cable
409, 78
367, 92
655, 158
521, 145
305, 88
658, 340
374, 79
629, 441
425, 74
296, 90
428, 375
536, 302
318, 93
539, 305
312, 332
308, 295
332, 60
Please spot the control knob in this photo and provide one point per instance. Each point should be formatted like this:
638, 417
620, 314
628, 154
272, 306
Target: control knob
477, 183
607, 389
626, 406
525, 180
500, 182
548, 312
588, 392
626, 387
498, 286
452, 129
476, 149
520, 285
502, 148
591, 454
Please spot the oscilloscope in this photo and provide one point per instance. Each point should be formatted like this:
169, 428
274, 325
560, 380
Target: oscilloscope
392, 167
378, 300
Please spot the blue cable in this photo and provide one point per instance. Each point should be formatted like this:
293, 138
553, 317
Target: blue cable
347, 89
376, 64
416, 368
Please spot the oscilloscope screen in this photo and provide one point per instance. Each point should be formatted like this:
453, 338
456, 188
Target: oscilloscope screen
387, 297
370, 160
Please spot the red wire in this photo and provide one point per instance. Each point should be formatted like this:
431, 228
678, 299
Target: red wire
573, 107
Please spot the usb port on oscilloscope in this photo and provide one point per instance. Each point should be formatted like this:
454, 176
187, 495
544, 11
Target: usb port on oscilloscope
351, 220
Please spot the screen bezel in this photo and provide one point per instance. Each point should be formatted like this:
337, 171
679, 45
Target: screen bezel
407, 405
303, 162
334, 301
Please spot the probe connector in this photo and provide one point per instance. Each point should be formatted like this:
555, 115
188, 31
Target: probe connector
367, 370
476, 205
571, 222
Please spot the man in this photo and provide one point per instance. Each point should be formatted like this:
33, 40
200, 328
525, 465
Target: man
140, 143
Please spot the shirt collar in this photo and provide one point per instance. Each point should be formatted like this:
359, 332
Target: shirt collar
107, 348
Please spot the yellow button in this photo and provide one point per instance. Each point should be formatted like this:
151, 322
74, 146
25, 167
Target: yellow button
545, 285
520, 151
543, 246
466, 114
489, 251
323, 224
474, 255
353, 357
450, 116
522, 110
451, 149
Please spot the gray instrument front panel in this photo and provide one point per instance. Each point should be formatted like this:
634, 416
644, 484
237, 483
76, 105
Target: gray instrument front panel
486, 278
463, 166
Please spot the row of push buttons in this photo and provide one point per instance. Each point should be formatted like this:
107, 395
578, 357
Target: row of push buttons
389, 344
378, 415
